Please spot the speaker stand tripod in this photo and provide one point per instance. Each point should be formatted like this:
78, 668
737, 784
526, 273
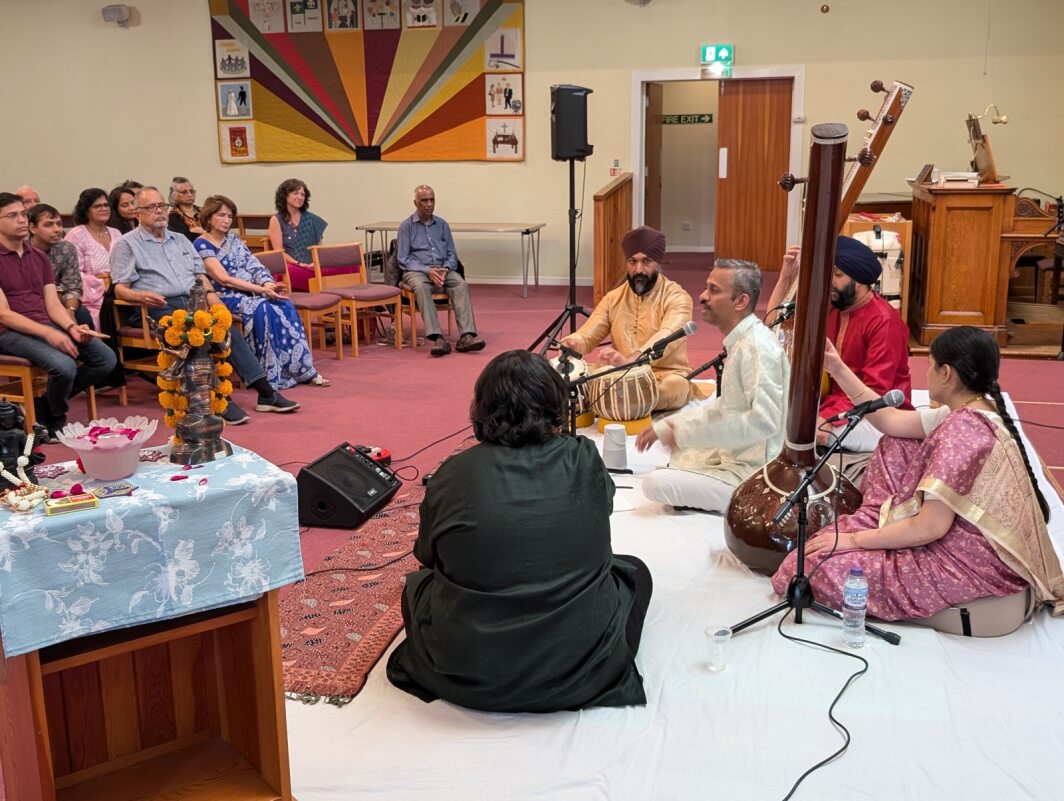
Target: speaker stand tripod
572, 308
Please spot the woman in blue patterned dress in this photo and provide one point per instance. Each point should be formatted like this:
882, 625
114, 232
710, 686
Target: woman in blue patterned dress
271, 324
294, 229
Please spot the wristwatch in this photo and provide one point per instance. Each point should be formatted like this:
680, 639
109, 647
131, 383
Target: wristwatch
72, 325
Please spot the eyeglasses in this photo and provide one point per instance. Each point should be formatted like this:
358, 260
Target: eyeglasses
100, 206
15, 215
154, 207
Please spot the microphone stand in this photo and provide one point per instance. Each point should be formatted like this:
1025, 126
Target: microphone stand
717, 363
799, 594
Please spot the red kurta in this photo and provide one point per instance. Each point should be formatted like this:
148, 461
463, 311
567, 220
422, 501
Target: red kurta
873, 341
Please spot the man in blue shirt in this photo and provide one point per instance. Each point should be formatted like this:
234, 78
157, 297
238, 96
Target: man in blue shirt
153, 266
429, 263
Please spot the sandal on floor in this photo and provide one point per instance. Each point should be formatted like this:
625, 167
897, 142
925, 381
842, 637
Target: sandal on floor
320, 381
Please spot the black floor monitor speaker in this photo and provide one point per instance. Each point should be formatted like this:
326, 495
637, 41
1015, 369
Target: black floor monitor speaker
343, 489
568, 123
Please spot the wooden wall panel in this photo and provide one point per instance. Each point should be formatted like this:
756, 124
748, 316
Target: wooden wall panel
117, 682
155, 696
612, 220
86, 733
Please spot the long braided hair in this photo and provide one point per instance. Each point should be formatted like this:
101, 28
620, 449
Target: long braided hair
974, 354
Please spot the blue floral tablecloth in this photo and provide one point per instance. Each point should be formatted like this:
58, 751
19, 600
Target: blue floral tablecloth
226, 534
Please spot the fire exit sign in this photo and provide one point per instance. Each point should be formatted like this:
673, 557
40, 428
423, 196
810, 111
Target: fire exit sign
723, 54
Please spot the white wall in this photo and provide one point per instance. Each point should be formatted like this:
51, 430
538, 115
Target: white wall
689, 166
89, 104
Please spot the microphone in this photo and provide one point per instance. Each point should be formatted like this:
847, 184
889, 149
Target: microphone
893, 398
658, 347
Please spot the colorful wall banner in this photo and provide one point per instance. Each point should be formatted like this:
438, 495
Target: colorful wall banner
388, 80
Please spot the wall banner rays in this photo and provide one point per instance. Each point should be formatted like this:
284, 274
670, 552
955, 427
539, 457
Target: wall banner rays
369, 80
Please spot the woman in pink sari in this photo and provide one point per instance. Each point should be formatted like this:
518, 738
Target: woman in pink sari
951, 509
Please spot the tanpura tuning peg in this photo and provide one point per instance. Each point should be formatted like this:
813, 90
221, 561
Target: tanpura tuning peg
888, 119
788, 182
877, 86
863, 115
865, 157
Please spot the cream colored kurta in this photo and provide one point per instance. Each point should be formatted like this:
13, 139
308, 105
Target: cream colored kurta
732, 436
635, 322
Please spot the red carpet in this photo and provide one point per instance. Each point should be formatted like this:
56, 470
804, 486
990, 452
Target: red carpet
407, 402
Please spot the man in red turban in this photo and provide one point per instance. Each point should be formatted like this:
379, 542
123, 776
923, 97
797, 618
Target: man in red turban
635, 315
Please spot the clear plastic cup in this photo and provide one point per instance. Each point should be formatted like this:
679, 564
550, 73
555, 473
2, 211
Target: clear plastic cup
717, 638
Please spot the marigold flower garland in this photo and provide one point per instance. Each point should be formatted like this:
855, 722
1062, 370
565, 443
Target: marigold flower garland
194, 329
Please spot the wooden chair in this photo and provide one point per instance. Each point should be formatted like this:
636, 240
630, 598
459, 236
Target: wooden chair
339, 269
314, 308
21, 381
442, 301
137, 336
254, 230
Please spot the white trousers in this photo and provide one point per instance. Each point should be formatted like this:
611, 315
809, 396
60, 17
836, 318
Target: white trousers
686, 488
863, 439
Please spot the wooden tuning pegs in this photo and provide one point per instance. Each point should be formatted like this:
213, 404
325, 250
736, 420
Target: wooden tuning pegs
865, 157
877, 86
863, 115
788, 182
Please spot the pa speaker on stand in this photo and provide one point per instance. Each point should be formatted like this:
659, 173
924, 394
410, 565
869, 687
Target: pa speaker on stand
568, 123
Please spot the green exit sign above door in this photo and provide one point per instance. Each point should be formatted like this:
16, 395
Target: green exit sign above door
723, 54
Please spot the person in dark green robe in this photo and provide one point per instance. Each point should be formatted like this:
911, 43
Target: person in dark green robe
522, 605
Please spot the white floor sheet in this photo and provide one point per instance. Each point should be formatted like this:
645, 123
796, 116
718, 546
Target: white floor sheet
938, 717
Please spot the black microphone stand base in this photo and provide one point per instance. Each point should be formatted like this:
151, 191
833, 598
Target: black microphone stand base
800, 592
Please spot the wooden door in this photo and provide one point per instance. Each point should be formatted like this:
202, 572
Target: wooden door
754, 140
655, 105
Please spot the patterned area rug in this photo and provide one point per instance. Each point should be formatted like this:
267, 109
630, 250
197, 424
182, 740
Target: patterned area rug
338, 621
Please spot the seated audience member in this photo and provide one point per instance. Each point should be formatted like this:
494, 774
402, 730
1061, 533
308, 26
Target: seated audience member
271, 323
29, 195
93, 239
184, 213
635, 315
429, 263
46, 234
123, 202
718, 445
156, 267
951, 509
522, 605
35, 325
294, 229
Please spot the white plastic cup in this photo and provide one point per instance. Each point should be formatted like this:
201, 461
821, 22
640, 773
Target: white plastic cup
615, 446
717, 638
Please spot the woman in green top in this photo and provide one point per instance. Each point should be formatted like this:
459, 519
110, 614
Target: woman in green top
521, 605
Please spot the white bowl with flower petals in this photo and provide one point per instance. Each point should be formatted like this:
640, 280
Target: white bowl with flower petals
109, 448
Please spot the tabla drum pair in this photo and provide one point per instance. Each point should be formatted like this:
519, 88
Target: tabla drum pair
626, 397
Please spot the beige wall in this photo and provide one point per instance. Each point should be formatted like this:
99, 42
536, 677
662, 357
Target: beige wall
689, 167
88, 103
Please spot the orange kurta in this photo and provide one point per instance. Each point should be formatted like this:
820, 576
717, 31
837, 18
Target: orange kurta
635, 322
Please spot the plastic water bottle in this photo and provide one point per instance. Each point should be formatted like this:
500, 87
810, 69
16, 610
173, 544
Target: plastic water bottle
854, 604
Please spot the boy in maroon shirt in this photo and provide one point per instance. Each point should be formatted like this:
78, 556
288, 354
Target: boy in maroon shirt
34, 323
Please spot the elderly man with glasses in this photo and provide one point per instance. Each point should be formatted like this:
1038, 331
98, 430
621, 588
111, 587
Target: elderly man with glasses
35, 325
152, 265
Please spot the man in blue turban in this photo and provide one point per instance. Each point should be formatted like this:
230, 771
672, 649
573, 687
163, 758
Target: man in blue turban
869, 335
